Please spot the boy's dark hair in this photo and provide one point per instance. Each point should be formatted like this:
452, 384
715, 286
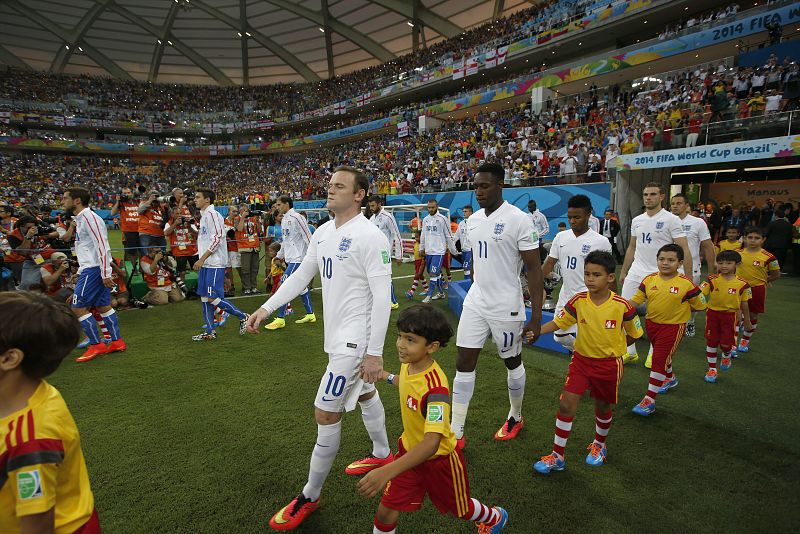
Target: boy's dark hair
603, 259
580, 201
76, 193
426, 321
729, 255
275, 245
45, 330
754, 230
672, 247
207, 193
732, 228
494, 169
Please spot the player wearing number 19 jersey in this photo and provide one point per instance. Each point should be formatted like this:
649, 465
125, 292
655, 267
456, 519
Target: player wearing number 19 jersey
569, 249
650, 231
503, 239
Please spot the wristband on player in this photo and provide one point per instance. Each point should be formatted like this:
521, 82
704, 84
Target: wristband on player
390, 379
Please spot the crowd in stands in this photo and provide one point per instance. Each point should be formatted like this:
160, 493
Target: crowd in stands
708, 17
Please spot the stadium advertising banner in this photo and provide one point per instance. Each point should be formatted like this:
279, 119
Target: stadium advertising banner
772, 147
741, 192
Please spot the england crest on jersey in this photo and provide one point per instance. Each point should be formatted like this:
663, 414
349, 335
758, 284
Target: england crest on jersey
498, 228
344, 244
586, 248
659, 225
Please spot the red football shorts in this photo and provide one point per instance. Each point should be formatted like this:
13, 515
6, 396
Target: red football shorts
720, 328
443, 479
665, 339
601, 375
758, 300
418, 269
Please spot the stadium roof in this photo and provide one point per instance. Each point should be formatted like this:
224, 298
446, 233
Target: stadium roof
228, 42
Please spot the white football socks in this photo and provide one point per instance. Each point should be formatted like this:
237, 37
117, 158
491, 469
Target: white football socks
374, 419
516, 391
328, 439
463, 388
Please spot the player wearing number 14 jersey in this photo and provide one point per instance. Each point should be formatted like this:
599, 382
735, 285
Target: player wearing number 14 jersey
650, 231
503, 239
352, 256
569, 249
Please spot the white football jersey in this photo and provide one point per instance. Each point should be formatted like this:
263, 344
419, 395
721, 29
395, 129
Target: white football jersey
462, 234
696, 232
91, 242
652, 233
570, 250
295, 237
387, 224
497, 239
540, 223
594, 223
436, 237
211, 236
347, 258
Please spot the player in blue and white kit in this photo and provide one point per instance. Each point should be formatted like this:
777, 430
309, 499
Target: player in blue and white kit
213, 252
93, 289
435, 240
295, 238
387, 224
462, 235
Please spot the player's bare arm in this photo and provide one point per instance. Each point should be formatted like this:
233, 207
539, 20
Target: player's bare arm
628, 261
708, 252
530, 259
687, 254
547, 268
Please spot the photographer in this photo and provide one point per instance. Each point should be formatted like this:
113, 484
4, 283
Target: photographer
151, 222
120, 296
58, 276
29, 242
181, 231
128, 209
158, 271
249, 232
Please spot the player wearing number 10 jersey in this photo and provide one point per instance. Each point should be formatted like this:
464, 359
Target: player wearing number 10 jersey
650, 231
569, 249
352, 257
503, 239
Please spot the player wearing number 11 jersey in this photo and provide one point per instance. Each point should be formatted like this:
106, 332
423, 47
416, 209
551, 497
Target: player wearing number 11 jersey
352, 256
503, 239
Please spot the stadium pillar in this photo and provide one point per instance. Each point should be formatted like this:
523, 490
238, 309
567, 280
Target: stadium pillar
538, 96
428, 123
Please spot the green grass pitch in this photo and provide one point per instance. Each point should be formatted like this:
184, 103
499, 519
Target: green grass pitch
215, 437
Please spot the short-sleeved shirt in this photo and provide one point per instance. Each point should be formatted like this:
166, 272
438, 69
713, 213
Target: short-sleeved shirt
497, 240
347, 258
669, 301
42, 465
570, 250
727, 245
603, 329
652, 233
755, 266
151, 222
725, 295
696, 232
128, 217
425, 407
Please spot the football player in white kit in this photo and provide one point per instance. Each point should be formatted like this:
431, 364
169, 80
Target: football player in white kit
503, 239
387, 224
569, 249
462, 235
435, 240
700, 244
650, 231
352, 258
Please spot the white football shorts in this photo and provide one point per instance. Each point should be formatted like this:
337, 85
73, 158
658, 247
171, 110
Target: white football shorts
474, 329
341, 385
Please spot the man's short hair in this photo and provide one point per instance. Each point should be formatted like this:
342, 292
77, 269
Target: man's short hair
495, 170
427, 322
207, 193
580, 201
375, 198
467, 207
603, 259
433, 200
44, 329
729, 255
286, 199
360, 180
79, 193
531, 204
671, 247
681, 195
25, 219
656, 185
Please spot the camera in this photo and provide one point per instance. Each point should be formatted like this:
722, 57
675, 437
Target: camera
43, 228
123, 198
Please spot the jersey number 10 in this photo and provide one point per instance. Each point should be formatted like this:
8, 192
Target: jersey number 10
327, 268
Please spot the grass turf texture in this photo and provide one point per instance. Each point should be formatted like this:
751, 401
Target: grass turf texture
216, 437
